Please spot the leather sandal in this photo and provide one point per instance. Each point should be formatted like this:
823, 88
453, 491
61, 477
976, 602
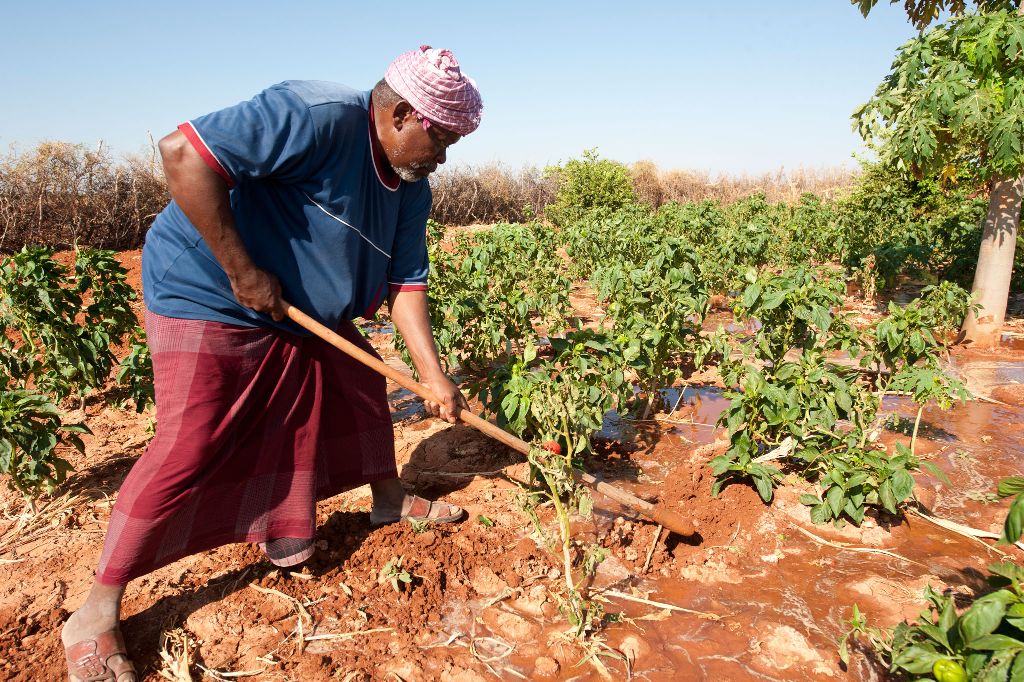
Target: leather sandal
89, 660
423, 510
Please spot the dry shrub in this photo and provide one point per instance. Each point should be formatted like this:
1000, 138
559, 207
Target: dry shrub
489, 194
61, 194
647, 183
656, 187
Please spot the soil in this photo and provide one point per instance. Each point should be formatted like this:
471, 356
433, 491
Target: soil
764, 592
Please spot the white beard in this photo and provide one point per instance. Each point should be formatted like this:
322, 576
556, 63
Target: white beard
407, 173
411, 172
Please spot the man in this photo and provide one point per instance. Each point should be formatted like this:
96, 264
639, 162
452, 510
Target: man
312, 193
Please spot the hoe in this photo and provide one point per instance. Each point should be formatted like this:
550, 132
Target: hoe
656, 513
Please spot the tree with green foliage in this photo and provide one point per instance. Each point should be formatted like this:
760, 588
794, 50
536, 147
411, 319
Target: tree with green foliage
923, 12
953, 107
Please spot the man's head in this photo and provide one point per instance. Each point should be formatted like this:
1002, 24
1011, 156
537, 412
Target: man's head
424, 105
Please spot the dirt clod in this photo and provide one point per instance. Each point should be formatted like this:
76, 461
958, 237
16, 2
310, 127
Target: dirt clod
545, 668
510, 626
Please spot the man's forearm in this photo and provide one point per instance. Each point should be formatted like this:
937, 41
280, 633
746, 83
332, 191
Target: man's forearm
410, 317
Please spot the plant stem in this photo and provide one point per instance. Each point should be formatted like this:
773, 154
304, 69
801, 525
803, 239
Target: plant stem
563, 523
917, 423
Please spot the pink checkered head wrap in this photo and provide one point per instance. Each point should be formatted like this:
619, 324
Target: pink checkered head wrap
432, 82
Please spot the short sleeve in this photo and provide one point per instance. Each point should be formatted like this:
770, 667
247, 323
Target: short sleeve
270, 136
409, 262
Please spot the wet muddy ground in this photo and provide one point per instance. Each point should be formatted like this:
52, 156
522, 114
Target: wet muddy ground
760, 594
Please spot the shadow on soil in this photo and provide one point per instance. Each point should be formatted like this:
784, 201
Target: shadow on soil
343, 533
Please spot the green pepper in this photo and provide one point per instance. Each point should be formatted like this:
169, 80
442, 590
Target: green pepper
949, 671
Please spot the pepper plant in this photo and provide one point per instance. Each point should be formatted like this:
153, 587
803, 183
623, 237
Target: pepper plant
59, 328
487, 292
789, 392
31, 430
947, 643
660, 303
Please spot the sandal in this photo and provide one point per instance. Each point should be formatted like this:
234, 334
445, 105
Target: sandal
423, 510
89, 660
287, 552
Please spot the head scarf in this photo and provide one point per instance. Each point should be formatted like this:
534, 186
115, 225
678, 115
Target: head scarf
432, 82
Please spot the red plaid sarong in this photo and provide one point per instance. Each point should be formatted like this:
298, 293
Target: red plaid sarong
255, 426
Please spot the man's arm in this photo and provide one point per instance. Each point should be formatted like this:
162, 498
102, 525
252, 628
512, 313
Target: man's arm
410, 317
202, 195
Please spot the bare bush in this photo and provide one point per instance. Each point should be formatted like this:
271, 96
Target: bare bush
489, 194
60, 194
656, 187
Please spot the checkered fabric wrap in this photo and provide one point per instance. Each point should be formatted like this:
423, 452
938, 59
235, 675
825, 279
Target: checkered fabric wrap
255, 426
432, 82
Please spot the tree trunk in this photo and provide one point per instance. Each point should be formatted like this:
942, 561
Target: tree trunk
995, 262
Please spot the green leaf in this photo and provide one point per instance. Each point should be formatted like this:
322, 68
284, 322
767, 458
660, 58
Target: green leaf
917, 659
764, 487
983, 616
936, 472
886, 497
820, 514
995, 643
1014, 523
1017, 669
902, 484
834, 497
1011, 485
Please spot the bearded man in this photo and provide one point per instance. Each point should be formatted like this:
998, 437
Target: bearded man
313, 193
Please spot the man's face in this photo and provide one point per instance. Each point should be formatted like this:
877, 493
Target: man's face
415, 152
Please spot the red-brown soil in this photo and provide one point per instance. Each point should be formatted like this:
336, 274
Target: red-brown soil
762, 599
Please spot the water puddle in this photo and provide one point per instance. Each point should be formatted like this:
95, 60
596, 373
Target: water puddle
778, 596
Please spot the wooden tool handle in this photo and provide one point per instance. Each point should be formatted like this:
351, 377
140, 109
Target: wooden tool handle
669, 519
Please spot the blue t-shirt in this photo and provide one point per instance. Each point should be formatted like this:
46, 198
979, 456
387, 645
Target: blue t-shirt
313, 204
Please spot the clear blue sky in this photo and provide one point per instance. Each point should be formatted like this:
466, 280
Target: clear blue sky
724, 86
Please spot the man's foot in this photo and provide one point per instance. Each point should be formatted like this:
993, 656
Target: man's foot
95, 650
92, 639
415, 508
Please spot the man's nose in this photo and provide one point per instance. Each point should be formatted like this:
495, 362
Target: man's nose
441, 157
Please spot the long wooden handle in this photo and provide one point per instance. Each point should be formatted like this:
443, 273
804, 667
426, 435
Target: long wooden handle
665, 517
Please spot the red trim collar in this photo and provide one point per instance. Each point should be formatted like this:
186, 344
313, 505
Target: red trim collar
385, 173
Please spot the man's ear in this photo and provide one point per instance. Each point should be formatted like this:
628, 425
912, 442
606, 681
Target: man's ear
401, 112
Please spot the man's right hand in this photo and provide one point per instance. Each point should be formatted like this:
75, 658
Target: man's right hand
260, 290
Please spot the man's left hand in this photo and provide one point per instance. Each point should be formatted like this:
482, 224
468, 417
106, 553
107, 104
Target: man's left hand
449, 395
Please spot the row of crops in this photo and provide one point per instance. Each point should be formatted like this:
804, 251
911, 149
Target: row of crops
67, 331
805, 377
